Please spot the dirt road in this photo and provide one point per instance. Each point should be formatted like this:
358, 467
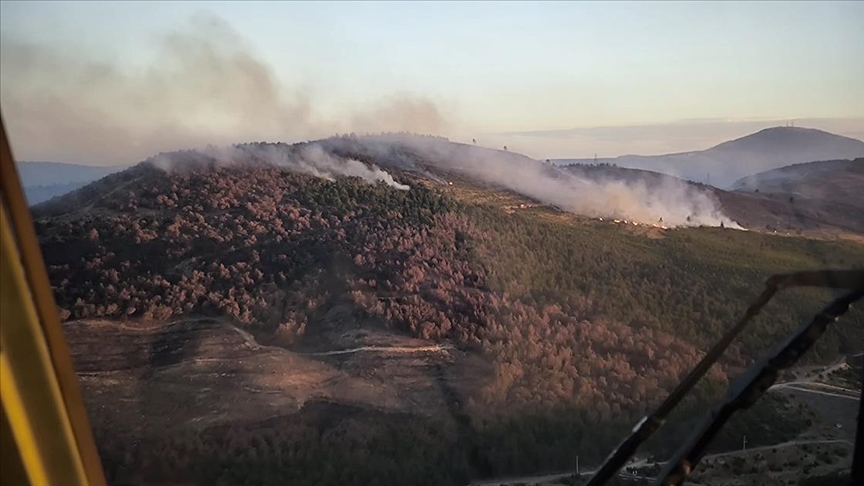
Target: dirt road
436, 348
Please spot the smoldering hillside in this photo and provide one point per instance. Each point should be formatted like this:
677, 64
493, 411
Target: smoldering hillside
385, 158
304, 158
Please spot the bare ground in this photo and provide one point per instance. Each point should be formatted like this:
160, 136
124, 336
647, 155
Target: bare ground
147, 377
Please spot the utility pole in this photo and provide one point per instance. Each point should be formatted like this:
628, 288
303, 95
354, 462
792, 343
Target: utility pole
744, 443
577, 465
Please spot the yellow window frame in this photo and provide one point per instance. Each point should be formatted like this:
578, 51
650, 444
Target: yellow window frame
45, 434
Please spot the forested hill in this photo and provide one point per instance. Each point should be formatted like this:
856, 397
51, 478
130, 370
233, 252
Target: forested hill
570, 314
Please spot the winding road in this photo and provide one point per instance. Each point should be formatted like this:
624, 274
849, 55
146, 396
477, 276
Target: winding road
802, 386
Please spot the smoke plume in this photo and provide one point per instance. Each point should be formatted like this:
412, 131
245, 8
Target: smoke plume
309, 159
204, 85
319, 163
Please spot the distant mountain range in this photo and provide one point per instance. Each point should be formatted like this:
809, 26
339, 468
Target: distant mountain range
43, 180
727, 162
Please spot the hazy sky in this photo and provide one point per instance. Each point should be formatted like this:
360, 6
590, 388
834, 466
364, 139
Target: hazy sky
114, 82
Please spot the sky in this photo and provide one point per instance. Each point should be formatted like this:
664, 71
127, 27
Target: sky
112, 83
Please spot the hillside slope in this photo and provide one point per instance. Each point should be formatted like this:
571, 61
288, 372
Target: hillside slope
828, 193
727, 162
833, 180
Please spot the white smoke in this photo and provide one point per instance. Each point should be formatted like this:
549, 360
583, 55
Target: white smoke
309, 159
314, 160
677, 202
205, 84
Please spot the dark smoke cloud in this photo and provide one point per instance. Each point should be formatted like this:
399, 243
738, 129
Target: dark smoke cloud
205, 86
